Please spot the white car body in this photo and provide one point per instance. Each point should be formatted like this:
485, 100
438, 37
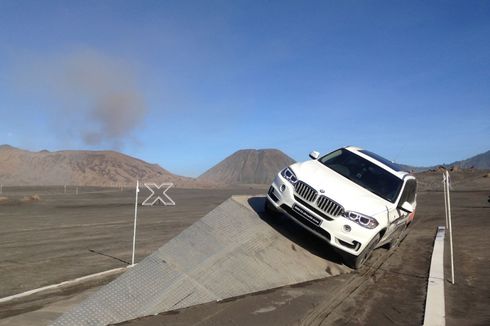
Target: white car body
323, 213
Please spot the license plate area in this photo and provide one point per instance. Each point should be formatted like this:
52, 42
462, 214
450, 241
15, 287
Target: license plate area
307, 215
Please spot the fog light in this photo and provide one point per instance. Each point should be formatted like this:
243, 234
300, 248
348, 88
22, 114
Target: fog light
347, 228
283, 187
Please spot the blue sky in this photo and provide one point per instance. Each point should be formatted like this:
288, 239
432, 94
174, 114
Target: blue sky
409, 80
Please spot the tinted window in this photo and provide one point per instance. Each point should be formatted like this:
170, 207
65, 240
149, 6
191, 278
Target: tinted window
409, 192
364, 173
386, 162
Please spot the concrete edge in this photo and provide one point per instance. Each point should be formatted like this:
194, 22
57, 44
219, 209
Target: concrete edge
62, 284
435, 302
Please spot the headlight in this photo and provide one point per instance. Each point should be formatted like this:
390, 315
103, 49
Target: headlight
363, 220
289, 175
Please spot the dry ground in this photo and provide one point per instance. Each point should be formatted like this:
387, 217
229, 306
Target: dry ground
392, 294
63, 236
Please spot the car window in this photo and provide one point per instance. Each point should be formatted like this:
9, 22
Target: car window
364, 173
386, 162
409, 192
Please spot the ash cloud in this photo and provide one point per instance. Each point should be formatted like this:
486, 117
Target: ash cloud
96, 96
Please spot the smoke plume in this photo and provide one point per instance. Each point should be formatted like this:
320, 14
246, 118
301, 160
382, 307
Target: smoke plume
95, 95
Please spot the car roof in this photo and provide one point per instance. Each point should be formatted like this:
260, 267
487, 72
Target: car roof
379, 160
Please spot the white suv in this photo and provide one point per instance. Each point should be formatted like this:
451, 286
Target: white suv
352, 198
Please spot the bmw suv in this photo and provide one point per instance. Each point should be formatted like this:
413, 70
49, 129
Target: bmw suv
354, 199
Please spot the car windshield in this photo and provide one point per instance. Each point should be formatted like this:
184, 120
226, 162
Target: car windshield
364, 173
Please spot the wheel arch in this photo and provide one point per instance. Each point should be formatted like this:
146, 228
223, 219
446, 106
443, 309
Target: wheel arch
382, 233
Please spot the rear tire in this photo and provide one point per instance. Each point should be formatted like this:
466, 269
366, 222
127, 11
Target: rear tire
355, 262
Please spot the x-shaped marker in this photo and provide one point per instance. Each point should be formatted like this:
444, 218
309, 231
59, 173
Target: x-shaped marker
154, 197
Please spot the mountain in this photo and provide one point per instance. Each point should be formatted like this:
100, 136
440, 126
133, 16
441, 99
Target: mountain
94, 168
410, 168
480, 161
109, 168
248, 166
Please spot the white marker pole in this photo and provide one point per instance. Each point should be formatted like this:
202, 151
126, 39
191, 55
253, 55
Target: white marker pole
445, 197
135, 218
76, 191
65, 189
1, 188
450, 227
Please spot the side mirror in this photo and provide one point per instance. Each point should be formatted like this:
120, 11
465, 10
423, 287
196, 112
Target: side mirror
314, 155
407, 207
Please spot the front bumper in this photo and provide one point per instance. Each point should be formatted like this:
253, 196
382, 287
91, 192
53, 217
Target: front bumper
340, 232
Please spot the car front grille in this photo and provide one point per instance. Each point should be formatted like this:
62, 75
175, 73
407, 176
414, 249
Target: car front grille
306, 191
329, 206
308, 196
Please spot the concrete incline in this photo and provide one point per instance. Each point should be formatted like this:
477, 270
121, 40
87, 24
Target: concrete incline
230, 252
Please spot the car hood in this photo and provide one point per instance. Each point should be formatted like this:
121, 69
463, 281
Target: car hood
345, 192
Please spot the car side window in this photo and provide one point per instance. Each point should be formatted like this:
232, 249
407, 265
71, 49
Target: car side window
409, 192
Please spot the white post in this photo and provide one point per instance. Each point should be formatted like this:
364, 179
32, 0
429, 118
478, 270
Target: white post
135, 218
450, 227
1, 188
445, 196
76, 191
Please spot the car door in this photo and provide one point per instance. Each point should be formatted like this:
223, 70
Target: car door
409, 194
398, 217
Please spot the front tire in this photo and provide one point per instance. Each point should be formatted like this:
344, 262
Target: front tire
355, 262
270, 209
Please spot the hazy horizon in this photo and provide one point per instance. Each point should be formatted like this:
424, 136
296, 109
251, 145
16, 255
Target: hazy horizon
164, 165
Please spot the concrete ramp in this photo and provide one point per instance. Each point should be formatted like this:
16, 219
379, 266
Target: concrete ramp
232, 251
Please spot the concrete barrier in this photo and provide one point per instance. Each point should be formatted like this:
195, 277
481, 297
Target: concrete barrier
435, 312
232, 251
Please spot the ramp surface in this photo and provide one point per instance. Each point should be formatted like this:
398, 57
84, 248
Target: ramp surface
231, 251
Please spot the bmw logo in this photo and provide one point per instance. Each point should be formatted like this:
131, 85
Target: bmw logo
322, 191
